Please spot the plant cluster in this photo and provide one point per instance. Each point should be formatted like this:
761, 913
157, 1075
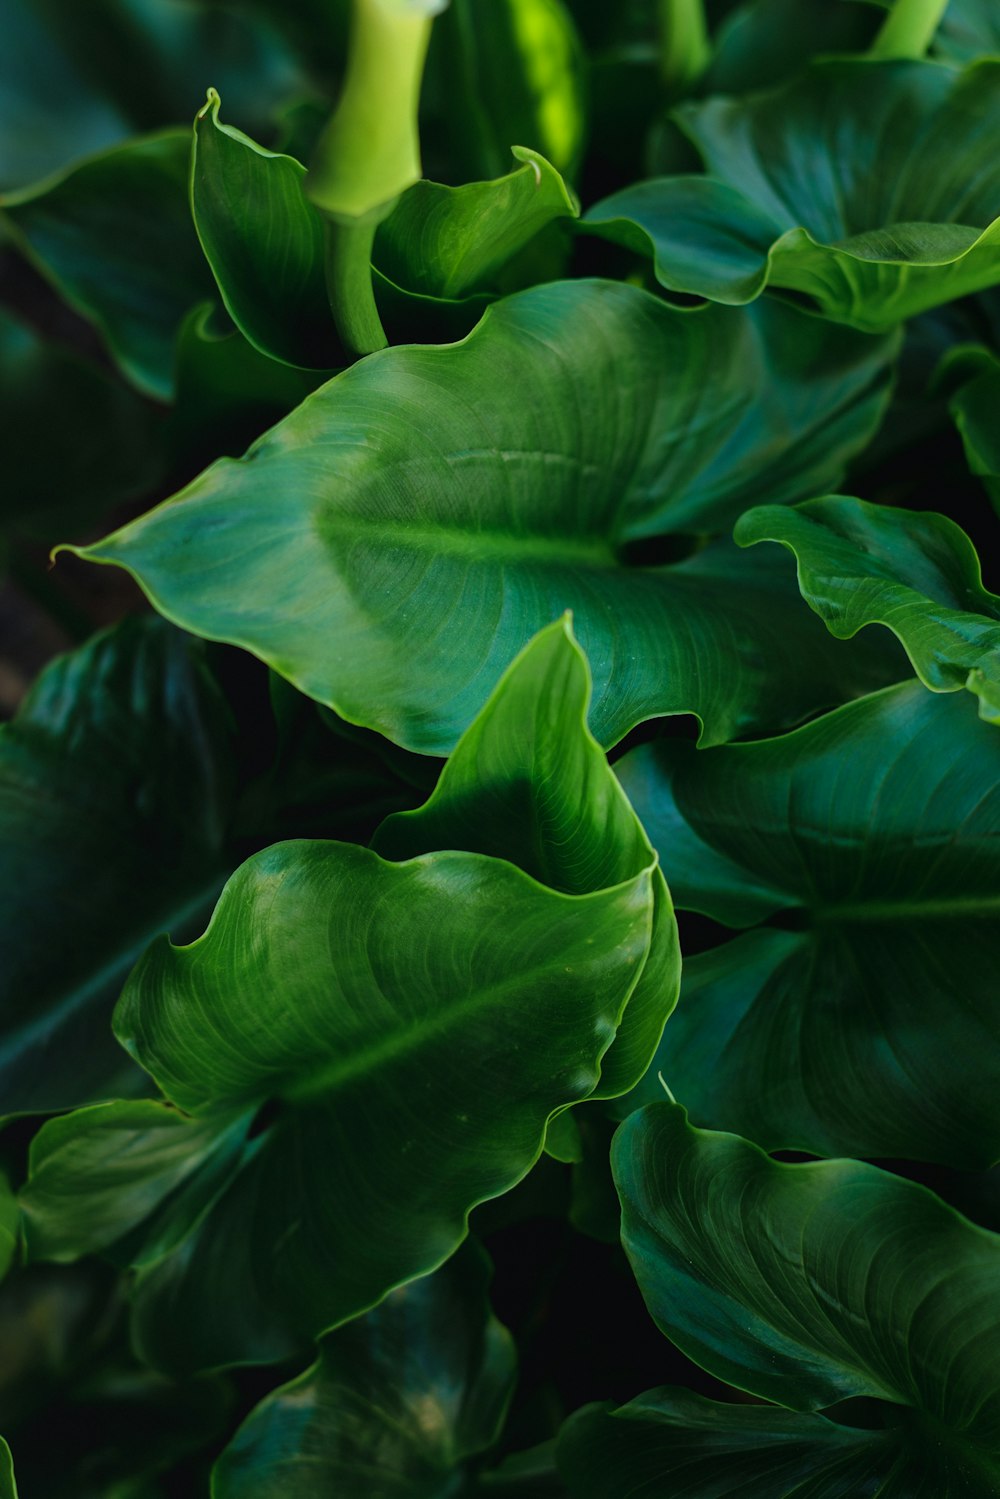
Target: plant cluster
499, 961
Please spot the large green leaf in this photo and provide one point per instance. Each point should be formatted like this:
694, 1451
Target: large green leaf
870, 188
114, 236
75, 441
917, 574
866, 1026
670, 1441
528, 783
75, 80
395, 1405
373, 550
115, 795
815, 1283
415, 1049
763, 42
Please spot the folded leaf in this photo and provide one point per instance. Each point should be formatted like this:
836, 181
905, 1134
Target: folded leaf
528, 783
871, 188
672, 1442
374, 513
811, 1284
396, 1403
867, 1026
114, 236
918, 574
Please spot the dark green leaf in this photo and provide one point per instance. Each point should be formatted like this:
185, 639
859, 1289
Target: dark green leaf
815, 1283
970, 28
528, 783
115, 793
870, 188
975, 407
917, 574
114, 236
763, 42
870, 1029
264, 243
9, 1226
672, 1442
100, 1173
395, 1405
75, 441
378, 510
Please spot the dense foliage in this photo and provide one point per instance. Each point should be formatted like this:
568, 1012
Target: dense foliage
501, 881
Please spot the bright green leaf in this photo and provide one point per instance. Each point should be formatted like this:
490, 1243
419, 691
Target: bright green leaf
815, 1283
395, 1405
917, 574
114, 236
870, 188
867, 1025
528, 783
377, 517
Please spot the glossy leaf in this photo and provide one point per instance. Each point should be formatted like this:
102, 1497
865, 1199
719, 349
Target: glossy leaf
670, 1441
264, 243
425, 1008
395, 1405
114, 236
377, 510
101, 451
866, 1025
528, 783
99, 1174
811, 1284
511, 73
830, 186
917, 574
115, 793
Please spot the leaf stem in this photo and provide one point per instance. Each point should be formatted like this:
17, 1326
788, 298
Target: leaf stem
349, 284
908, 29
685, 49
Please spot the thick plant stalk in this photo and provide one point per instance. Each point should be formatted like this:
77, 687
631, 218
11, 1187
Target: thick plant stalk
909, 28
369, 153
684, 45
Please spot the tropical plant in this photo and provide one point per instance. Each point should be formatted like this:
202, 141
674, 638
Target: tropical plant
502, 874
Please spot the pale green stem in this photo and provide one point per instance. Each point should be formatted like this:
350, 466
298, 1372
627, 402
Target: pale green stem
908, 29
349, 284
685, 49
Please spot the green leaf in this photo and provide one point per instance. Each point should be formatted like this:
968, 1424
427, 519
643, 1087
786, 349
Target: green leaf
764, 42
970, 29
115, 795
974, 408
866, 1026
99, 451
9, 1225
528, 783
377, 516
395, 1404
451, 988
450, 241
77, 81
100, 1173
815, 1283
917, 574
870, 188
114, 236
264, 243
670, 1441
511, 72
8, 1483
